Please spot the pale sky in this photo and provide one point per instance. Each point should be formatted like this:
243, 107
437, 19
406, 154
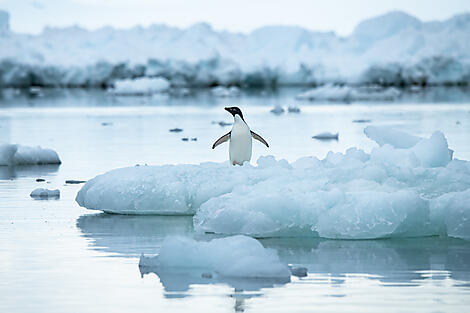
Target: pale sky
341, 16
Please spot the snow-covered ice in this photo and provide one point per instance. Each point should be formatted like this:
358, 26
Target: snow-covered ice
394, 48
236, 256
331, 92
140, 86
389, 192
45, 193
24, 155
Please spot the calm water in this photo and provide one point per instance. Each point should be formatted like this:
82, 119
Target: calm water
58, 257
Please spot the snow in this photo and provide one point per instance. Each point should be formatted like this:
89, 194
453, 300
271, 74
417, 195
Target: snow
24, 155
331, 92
140, 86
45, 193
394, 48
237, 256
402, 191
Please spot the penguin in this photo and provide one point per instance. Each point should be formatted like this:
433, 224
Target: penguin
240, 138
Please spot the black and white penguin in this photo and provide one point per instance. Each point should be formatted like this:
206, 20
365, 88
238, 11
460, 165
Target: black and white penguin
240, 138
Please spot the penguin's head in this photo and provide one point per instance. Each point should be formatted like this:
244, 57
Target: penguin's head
234, 111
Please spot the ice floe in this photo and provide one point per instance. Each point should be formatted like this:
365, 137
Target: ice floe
402, 188
331, 92
24, 155
45, 193
140, 86
236, 256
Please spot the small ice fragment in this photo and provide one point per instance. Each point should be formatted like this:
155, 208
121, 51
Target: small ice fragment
298, 271
24, 155
235, 256
206, 275
106, 124
40, 180
277, 110
222, 123
73, 181
293, 109
176, 130
45, 193
326, 136
362, 121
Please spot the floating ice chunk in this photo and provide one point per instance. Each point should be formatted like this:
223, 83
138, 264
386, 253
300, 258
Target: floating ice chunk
326, 136
293, 109
225, 92
24, 155
331, 92
277, 110
387, 135
45, 193
140, 86
237, 256
327, 92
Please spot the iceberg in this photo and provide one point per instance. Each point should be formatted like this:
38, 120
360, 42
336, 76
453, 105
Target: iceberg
236, 256
399, 189
24, 155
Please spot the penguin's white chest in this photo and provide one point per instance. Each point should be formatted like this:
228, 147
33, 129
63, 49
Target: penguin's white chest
240, 142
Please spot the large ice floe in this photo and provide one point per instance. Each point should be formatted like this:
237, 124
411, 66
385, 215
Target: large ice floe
24, 155
407, 186
236, 256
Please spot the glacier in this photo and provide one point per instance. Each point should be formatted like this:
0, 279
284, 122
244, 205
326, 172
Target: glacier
408, 188
391, 49
11, 154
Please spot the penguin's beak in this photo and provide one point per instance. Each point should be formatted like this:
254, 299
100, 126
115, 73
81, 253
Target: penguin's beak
227, 109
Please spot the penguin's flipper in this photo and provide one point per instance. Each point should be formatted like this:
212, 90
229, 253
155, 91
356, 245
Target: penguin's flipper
222, 139
259, 138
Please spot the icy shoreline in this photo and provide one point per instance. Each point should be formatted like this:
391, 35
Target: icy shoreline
268, 56
408, 188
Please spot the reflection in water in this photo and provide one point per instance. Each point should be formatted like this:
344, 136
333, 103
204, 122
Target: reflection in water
393, 262
389, 260
10, 172
131, 235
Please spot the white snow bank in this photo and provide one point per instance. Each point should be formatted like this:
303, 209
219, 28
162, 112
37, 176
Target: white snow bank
394, 52
237, 256
24, 155
225, 92
390, 192
140, 86
331, 92
45, 193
